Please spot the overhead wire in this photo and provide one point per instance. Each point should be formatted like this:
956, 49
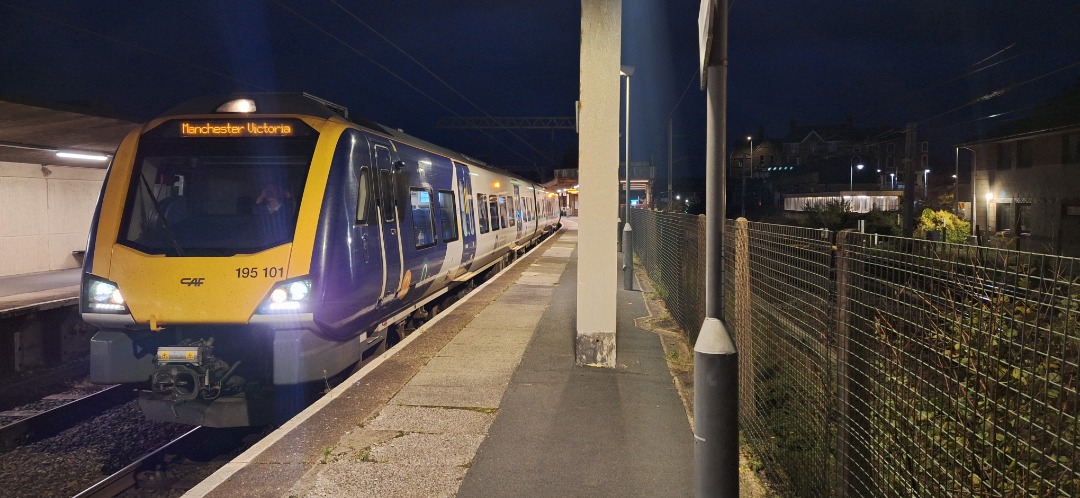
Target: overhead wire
1002, 91
384, 68
969, 70
429, 71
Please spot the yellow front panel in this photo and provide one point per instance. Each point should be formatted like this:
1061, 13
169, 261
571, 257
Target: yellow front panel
196, 290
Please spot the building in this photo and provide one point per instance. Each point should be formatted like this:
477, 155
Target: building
822, 163
1027, 179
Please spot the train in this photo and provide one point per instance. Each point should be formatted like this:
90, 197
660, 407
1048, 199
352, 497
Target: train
246, 244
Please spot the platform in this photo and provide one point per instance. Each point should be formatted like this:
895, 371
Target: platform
486, 400
31, 292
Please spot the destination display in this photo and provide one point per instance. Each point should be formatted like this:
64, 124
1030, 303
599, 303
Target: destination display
208, 128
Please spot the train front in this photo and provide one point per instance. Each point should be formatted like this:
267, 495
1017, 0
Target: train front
197, 271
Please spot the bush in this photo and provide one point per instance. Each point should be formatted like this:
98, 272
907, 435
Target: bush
952, 228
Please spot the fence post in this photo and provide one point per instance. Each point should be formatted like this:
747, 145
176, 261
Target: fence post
851, 455
743, 330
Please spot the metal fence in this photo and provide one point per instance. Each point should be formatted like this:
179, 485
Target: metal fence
671, 247
880, 366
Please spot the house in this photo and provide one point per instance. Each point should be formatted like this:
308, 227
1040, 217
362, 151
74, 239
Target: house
862, 166
1027, 179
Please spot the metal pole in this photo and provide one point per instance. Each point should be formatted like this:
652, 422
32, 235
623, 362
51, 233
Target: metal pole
716, 412
956, 183
742, 197
628, 234
716, 371
670, 138
627, 149
974, 197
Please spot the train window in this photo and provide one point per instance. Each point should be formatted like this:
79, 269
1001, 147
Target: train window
364, 197
209, 197
447, 216
468, 212
386, 182
504, 219
493, 208
386, 194
481, 200
423, 223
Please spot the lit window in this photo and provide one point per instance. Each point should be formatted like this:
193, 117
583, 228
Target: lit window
423, 224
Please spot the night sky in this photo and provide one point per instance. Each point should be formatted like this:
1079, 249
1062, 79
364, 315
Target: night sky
408, 63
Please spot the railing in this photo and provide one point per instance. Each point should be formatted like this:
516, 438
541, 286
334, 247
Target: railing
880, 366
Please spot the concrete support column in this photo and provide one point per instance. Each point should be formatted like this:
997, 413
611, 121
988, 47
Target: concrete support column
598, 125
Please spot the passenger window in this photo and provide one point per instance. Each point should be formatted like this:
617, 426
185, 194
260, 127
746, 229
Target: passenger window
511, 208
447, 216
386, 189
493, 208
385, 182
482, 213
503, 213
364, 197
423, 223
468, 213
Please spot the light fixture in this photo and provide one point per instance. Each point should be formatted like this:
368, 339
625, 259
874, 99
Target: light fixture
83, 156
288, 297
989, 196
237, 105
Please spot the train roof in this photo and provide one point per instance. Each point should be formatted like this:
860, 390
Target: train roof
310, 105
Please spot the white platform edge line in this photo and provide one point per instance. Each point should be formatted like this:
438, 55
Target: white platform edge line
229, 469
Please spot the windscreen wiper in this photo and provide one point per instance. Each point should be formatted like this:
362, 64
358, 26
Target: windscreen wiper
161, 216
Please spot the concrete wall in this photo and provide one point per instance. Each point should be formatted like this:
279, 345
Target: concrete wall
44, 216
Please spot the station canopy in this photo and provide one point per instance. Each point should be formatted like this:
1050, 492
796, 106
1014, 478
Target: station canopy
34, 132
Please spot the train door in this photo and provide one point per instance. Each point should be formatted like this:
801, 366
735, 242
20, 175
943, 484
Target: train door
468, 214
516, 208
389, 232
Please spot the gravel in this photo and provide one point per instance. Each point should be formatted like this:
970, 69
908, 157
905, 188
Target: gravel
76, 458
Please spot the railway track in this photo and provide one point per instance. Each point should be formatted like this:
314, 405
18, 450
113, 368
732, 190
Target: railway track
59, 412
125, 478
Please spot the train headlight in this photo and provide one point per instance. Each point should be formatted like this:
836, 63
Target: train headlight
102, 296
288, 297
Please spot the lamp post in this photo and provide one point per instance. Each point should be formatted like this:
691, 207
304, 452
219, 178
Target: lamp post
742, 198
925, 186
628, 239
892, 181
851, 171
974, 219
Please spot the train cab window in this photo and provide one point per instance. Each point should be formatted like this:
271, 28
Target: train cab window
447, 216
364, 198
423, 222
503, 217
493, 208
482, 212
215, 196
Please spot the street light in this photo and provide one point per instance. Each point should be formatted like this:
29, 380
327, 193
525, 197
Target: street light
974, 220
851, 171
892, 181
628, 241
743, 196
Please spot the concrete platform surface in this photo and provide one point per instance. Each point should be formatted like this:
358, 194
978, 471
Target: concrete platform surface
486, 400
39, 291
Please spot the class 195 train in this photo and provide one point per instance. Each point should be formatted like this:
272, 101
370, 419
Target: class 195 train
246, 243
